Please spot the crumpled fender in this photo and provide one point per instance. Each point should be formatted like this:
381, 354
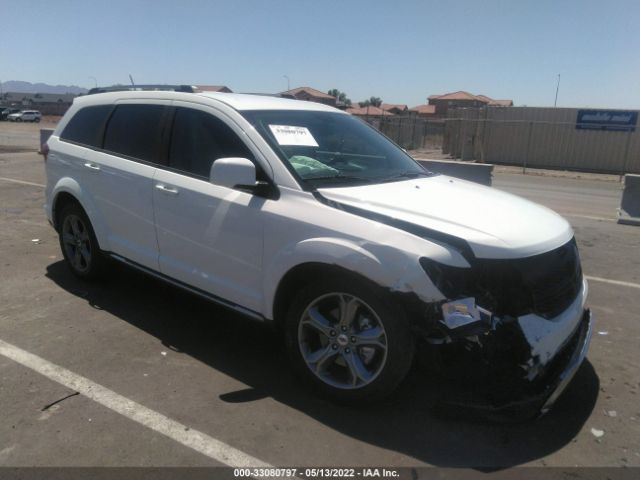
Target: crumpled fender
71, 186
400, 272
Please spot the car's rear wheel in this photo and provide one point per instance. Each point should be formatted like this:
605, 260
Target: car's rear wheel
347, 338
78, 243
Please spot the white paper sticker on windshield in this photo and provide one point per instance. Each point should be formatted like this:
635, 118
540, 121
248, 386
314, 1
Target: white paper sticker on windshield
290, 135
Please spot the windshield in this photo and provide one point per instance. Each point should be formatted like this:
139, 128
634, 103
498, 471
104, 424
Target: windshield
332, 149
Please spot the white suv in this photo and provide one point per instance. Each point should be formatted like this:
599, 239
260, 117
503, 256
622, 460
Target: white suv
301, 215
25, 116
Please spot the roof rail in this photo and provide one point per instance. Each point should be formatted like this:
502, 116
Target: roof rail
124, 88
279, 95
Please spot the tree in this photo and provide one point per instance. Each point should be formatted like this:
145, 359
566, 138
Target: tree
375, 101
340, 96
371, 102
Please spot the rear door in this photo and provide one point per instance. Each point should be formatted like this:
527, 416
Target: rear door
120, 179
209, 236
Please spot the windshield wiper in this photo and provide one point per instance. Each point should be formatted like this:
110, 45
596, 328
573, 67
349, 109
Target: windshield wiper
339, 176
406, 174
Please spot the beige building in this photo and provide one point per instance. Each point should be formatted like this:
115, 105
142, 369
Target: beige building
462, 99
369, 111
395, 108
423, 111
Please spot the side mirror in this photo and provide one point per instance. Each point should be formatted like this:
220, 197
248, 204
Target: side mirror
233, 172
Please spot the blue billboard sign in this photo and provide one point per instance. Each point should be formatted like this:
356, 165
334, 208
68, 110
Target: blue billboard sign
610, 120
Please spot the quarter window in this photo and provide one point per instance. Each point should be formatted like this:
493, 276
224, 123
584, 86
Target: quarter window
134, 131
199, 139
87, 126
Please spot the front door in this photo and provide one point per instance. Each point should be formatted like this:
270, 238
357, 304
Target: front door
209, 236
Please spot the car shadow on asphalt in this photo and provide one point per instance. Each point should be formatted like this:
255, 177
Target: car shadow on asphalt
252, 353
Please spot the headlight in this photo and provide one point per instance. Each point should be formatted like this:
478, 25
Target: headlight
463, 311
453, 282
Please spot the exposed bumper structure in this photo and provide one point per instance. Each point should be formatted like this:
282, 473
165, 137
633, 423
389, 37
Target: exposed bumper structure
583, 340
513, 368
543, 393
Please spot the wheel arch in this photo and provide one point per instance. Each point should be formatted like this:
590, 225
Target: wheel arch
67, 191
388, 267
300, 276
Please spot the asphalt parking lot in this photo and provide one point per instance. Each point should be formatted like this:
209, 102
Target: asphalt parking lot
177, 381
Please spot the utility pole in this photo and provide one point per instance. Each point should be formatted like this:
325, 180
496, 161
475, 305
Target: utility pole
131, 78
555, 102
288, 83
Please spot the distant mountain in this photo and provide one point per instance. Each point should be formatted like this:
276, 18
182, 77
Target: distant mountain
28, 87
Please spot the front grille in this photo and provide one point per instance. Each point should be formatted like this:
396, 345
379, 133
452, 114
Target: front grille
544, 284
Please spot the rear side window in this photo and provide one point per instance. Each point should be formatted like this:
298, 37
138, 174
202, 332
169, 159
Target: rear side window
134, 131
87, 125
199, 139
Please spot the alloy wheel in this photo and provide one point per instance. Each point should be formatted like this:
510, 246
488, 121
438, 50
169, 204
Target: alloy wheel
342, 340
76, 241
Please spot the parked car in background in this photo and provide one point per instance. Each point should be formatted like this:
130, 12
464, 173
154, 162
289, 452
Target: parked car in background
25, 116
5, 112
300, 215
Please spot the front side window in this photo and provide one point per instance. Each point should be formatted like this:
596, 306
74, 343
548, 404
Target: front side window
327, 148
87, 126
199, 139
134, 131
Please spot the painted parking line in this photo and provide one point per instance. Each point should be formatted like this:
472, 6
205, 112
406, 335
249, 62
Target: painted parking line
194, 439
613, 282
21, 182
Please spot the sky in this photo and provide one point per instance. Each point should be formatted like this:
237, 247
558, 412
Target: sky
399, 50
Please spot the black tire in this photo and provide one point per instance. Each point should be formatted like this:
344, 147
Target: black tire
398, 340
72, 220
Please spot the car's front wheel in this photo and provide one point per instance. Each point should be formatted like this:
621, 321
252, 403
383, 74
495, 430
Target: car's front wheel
348, 339
78, 243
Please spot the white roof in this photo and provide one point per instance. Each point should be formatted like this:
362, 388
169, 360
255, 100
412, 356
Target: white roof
243, 101
237, 101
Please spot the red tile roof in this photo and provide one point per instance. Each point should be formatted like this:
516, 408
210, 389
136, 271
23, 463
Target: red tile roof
461, 95
371, 110
311, 91
424, 109
391, 106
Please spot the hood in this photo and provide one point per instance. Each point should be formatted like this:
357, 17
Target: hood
495, 224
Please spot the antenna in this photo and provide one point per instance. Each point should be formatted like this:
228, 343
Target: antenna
132, 83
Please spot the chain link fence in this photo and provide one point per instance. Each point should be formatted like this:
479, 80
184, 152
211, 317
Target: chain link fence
522, 136
410, 132
537, 142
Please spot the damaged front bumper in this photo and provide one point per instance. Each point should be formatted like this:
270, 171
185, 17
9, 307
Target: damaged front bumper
516, 369
575, 359
538, 400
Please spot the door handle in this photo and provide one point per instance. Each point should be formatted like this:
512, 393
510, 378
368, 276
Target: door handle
92, 166
165, 189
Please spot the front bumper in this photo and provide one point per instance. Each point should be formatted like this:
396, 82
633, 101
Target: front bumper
543, 393
576, 357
